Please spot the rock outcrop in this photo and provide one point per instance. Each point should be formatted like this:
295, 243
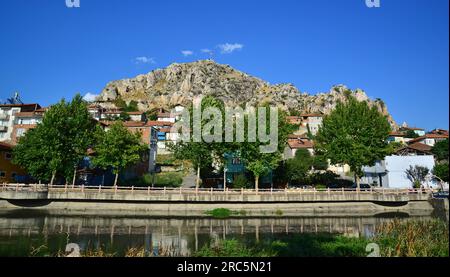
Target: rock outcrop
178, 84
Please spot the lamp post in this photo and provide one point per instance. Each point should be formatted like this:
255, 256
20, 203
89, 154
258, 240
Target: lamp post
225, 170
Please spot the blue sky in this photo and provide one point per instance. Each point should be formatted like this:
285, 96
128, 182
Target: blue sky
398, 52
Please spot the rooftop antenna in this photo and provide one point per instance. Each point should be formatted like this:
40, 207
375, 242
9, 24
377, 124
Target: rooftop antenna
15, 100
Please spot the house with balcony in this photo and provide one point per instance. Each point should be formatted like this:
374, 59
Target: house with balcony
296, 142
429, 139
8, 114
24, 122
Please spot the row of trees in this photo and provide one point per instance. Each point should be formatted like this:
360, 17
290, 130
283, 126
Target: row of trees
353, 134
202, 154
55, 148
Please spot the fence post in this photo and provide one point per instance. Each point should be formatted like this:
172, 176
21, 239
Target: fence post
242, 191
82, 188
100, 189
115, 190
212, 191
165, 190
329, 192
148, 190
181, 190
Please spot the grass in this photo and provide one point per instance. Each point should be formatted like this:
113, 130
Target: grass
222, 213
413, 239
395, 239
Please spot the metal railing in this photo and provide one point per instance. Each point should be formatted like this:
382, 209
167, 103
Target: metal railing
204, 191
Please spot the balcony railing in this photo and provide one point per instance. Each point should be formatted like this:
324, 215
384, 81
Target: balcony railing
3, 128
4, 117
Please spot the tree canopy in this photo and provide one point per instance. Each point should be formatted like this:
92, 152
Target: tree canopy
56, 146
117, 148
354, 134
440, 149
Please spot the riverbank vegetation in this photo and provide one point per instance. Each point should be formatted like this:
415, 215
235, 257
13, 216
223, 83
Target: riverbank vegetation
394, 239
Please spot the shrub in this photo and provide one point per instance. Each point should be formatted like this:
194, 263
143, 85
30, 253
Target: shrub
241, 182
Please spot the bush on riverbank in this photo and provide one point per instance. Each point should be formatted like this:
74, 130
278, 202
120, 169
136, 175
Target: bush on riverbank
395, 239
413, 239
165, 179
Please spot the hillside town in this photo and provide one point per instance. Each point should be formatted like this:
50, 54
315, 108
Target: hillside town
412, 147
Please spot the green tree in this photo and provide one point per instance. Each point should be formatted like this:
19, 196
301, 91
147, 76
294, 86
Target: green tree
354, 134
417, 175
260, 163
440, 150
57, 145
441, 171
411, 134
198, 153
298, 168
118, 148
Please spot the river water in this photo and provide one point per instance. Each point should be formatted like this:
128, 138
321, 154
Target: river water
28, 233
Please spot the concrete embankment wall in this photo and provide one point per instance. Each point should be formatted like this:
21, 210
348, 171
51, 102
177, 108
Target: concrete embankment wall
414, 208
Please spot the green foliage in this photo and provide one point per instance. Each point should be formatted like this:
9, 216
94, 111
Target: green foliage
59, 143
118, 148
441, 171
121, 104
260, 163
220, 213
241, 181
395, 146
354, 134
231, 248
411, 134
413, 239
297, 169
417, 175
124, 116
440, 149
164, 179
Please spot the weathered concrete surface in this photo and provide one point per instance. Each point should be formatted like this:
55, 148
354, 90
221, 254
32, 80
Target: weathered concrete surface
206, 197
419, 208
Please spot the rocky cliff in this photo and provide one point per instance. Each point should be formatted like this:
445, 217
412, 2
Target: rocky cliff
178, 84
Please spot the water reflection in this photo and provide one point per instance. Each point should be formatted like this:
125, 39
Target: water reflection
166, 236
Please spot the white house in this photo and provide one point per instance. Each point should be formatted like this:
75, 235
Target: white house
391, 172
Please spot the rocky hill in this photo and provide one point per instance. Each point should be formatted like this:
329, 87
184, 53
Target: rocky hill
178, 84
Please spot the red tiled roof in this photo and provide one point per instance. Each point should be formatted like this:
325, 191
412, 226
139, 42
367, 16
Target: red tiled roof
19, 105
159, 123
431, 136
312, 115
397, 134
135, 113
417, 147
28, 114
300, 143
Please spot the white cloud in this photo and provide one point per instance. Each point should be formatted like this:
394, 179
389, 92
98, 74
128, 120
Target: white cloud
229, 48
207, 51
187, 53
141, 60
90, 97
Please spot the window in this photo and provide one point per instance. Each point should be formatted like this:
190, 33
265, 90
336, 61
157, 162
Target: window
2, 174
8, 155
14, 175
